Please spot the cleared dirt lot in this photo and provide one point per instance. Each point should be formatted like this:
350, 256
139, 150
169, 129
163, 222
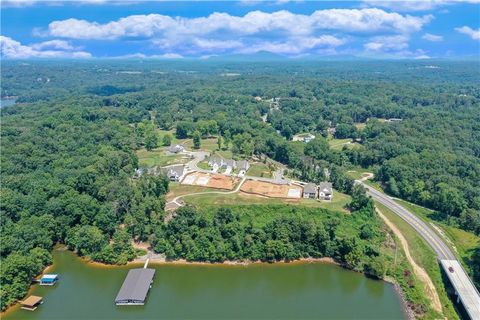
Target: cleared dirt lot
210, 180
272, 190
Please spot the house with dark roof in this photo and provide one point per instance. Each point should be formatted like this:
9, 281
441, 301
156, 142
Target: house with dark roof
310, 191
325, 191
176, 148
243, 165
216, 162
230, 163
175, 173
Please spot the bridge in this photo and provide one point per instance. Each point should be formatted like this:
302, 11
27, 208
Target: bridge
465, 290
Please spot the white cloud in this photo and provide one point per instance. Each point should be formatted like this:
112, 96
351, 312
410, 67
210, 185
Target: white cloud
53, 44
387, 43
432, 37
414, 5
254, 22
295, 46
17, 3
474, 34
10, 48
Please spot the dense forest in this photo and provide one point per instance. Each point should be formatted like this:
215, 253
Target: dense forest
68, 152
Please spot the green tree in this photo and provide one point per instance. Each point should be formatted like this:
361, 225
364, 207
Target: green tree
151, 140
197, 140
183, 129
167, 140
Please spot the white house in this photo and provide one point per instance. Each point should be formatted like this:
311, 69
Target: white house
175, 173
325, 191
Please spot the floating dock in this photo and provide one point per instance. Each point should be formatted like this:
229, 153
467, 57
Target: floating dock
135, 287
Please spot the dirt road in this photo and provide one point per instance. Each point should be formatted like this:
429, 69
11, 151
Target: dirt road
419, 271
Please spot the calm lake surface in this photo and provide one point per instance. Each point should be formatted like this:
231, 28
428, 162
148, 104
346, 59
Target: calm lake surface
280, 291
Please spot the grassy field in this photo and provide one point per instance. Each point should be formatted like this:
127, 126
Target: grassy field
338, 203
204, 165
424, 257
259, 169
158, 157
209, 144
358, 173
338, 144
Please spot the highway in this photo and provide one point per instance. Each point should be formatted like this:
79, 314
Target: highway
466, 291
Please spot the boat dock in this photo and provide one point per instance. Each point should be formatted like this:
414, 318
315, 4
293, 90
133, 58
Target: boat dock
135, 287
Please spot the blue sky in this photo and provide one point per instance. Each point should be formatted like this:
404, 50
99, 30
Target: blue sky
100, 28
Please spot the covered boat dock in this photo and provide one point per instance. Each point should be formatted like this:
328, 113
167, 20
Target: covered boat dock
48, 279
135, 287
31, 303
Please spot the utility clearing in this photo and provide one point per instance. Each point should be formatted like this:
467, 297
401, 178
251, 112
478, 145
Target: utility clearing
419, 271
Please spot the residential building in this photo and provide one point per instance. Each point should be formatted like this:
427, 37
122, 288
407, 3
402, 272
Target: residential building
175, 173
309, 137
230, 163
325, 191
243, 165
216, 162
176, 148
310, 191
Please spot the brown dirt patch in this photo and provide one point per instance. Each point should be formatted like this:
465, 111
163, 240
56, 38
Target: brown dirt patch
211, 180
270, 189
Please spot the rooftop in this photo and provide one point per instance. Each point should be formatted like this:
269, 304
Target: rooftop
310, 188
325, 186
32, 301
135, 286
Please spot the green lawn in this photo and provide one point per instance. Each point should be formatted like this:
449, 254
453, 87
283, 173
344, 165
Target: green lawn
357, 172
424, 257
209, 144
338, 144
158, 157
204, 165
338, 203
259, 169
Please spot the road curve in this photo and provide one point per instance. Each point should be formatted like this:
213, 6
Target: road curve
442, 251
464, 287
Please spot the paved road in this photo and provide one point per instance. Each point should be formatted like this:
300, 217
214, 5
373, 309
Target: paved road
462, 283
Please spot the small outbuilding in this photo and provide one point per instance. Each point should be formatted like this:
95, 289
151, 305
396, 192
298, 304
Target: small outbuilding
135, 287
48, 279
31, 303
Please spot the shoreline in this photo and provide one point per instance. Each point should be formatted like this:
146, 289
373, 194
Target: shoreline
163, 261
228, 263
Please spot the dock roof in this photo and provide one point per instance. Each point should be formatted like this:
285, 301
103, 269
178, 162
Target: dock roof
32, 301
135, 286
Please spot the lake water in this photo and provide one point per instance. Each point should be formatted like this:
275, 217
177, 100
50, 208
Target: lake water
277, 291
6, 102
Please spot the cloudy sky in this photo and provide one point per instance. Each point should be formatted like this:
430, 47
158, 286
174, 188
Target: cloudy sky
100, 28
